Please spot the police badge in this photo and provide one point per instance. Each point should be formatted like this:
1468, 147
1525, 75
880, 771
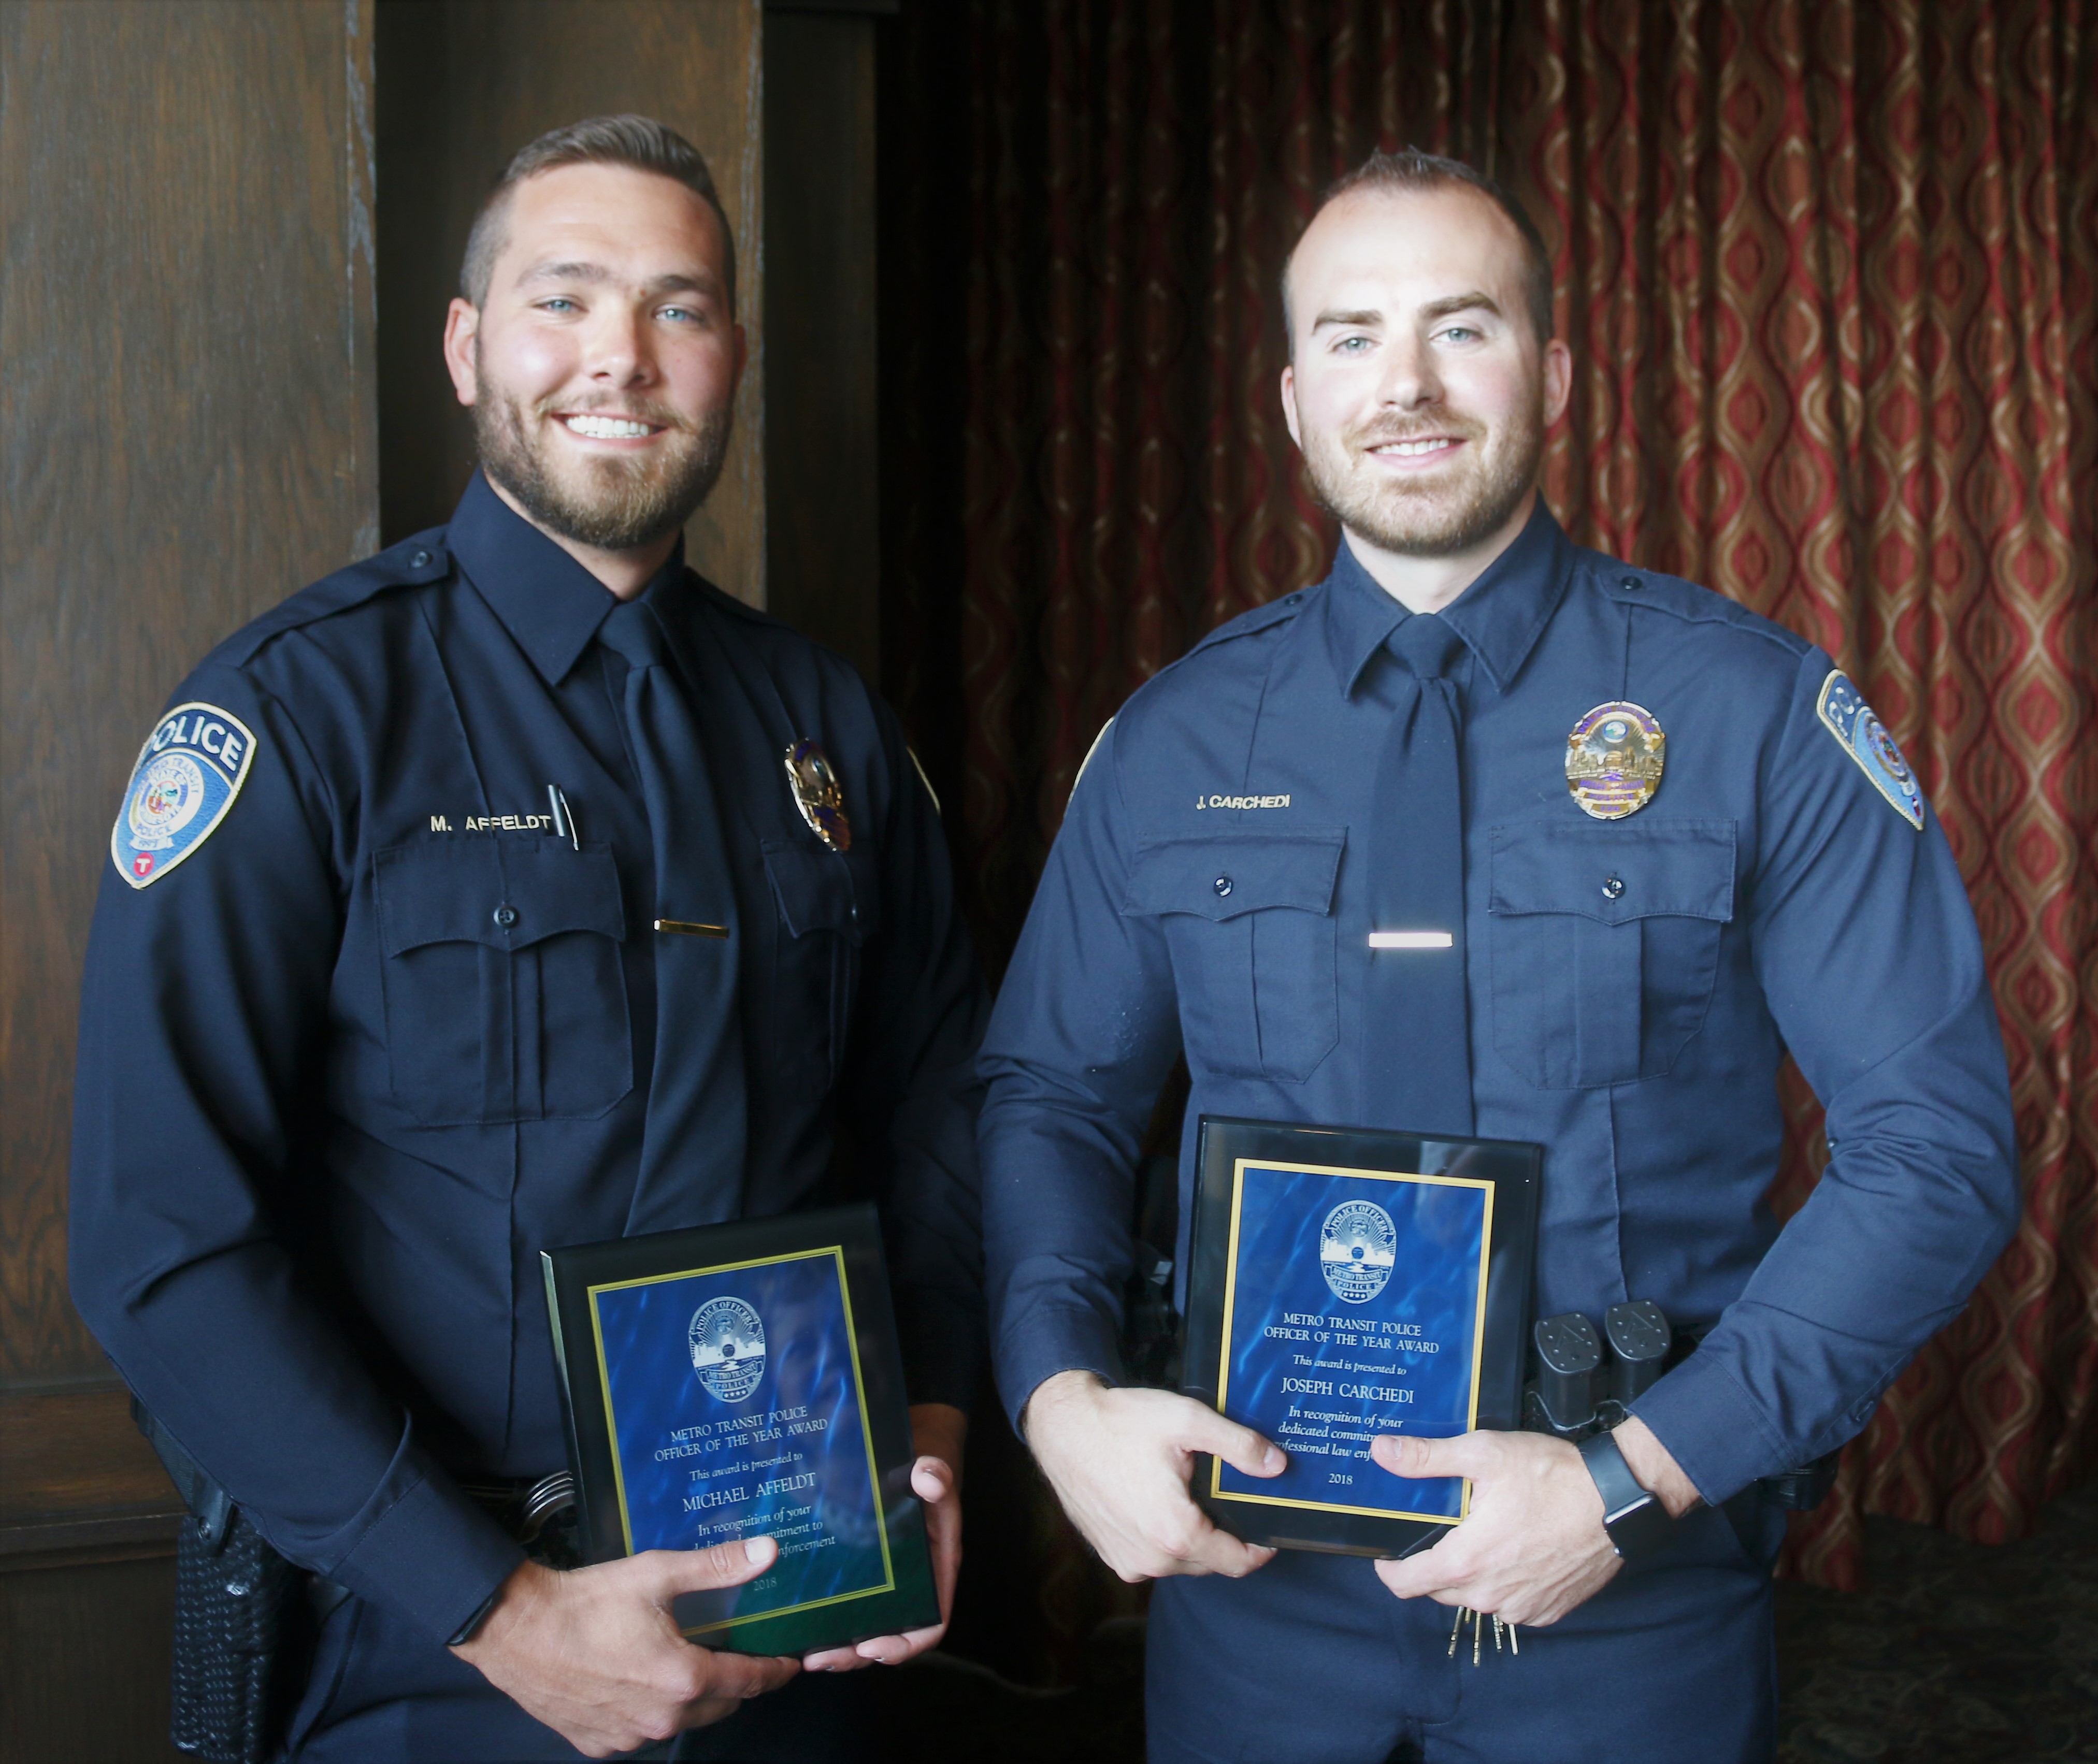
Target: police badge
1614, 760
818, 795
188, 773
727, 1340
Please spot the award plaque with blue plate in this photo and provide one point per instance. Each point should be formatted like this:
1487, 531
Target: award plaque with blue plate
742, 1381
1346, 1282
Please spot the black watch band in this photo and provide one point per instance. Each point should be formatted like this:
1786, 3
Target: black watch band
1637, 1522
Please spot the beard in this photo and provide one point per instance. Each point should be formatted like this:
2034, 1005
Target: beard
612, 504
1440, 517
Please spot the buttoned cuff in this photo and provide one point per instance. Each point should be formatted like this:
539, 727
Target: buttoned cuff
431, 1556
1051, 1339
1712, 1428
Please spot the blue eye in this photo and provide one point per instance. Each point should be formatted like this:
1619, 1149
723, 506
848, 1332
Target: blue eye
558, 303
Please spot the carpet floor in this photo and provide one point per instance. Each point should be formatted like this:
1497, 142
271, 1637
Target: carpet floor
1956, 1653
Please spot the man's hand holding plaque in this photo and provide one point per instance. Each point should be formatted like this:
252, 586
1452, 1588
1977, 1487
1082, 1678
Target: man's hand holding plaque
937, 1431
1119, 1461
595, 1654
1534, 1547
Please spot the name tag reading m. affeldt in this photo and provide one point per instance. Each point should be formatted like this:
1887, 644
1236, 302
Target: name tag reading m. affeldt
739, 1381
1347, 1283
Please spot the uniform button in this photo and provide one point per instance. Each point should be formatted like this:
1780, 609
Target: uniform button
1631, 584
1222, 886
420, 560
506, 916
1613, 887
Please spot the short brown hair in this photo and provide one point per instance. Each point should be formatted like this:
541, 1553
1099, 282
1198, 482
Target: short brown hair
640, 142
1410, 169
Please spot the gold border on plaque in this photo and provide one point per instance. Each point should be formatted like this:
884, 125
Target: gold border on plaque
1238, 1168
859, 1392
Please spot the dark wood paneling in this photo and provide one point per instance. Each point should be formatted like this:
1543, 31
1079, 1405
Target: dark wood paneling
84, 1653
462, 85
187, 436
822, 538
76, 1474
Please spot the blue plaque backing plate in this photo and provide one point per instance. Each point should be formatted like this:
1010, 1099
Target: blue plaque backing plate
1344, 1282
743, 1380
779, 1450
1322, 1369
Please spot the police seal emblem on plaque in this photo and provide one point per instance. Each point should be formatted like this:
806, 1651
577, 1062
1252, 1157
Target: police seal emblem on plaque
1357, 1245
818, 795
1845, 715
188, 773
728, 1348
1614, 760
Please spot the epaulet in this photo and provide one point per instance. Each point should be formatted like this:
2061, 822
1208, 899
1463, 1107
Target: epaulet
1259, 619
1653, 592
410, 564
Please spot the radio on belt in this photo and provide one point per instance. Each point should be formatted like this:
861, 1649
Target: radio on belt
1583, 1382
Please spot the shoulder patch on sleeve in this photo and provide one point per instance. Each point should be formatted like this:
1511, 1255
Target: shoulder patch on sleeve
1845, 715
189, 771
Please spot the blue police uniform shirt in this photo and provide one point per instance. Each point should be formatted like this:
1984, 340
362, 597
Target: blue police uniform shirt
329, 1109
1770, 896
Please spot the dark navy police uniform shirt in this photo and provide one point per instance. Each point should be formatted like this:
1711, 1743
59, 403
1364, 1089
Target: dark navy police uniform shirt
332, 1103
1770, 896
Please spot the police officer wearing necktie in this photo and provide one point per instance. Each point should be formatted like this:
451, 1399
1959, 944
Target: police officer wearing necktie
1608, 845
516, 889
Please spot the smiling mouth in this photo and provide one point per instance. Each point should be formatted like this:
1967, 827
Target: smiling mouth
1426, 447
608, 428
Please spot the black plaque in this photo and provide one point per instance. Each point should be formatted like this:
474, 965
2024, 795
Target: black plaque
742, 1381
1346, 1282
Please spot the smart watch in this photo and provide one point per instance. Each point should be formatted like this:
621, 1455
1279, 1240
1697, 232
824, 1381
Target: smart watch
1637, 1522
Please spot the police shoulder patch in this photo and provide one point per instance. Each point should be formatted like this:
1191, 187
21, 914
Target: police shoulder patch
189, 771
1845, 715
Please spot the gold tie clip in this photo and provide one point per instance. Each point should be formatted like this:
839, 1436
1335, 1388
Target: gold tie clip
684, 928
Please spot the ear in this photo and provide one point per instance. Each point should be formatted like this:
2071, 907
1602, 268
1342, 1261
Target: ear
462, 326
1558, 365
1289, 404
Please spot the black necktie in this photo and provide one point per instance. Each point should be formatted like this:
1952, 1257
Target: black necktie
692, 1151
1417, 1051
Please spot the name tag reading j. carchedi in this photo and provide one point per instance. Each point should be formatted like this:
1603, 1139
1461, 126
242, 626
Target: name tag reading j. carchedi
742, 1381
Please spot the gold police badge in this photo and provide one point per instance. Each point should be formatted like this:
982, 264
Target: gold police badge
818, 795
1614, 760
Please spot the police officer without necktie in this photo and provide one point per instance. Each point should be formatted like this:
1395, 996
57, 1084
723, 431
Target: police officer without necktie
1608, 845
510, 889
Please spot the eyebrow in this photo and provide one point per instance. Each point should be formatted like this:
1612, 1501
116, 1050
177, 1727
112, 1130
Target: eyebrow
1366, 317
1474, 301
675, 281
1471, 301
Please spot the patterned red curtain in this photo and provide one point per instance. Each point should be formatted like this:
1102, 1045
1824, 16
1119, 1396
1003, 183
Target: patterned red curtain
1830, 272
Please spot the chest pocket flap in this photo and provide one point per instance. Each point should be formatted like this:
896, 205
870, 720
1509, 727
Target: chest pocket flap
1229, 874
457, 893
1248, 918
1605, 943
1667, 868
505, 992
819, 890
